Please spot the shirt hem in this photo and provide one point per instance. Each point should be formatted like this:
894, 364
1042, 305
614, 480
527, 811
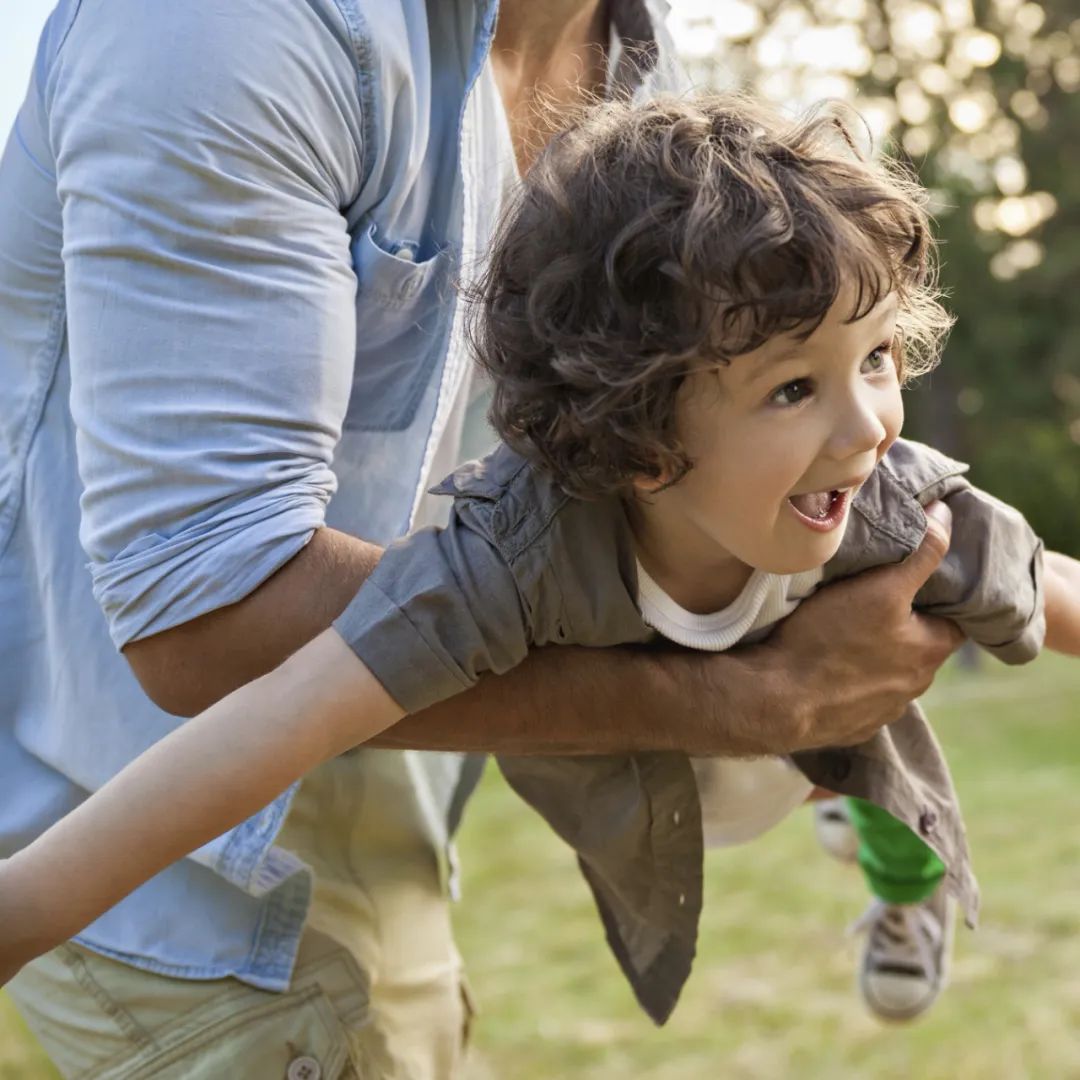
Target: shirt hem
270, 963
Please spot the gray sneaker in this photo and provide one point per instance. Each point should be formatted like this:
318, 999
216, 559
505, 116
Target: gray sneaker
906, 956
835, 833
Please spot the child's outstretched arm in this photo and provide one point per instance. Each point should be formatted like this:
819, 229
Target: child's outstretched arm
207, 776
1061, 580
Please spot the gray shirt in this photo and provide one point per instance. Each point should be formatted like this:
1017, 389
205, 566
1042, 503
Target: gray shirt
521, 564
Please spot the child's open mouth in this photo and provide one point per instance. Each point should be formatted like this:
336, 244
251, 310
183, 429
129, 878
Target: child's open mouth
821, 510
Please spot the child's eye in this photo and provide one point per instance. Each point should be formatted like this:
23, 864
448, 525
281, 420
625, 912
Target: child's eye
878, 360
792, 393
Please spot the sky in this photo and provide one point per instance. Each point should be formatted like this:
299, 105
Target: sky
23, 20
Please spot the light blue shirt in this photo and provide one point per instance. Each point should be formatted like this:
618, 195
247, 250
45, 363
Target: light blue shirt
229, 235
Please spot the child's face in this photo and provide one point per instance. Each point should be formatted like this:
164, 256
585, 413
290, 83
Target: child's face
780, 440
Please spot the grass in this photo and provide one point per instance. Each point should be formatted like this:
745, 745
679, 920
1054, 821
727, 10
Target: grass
772, 992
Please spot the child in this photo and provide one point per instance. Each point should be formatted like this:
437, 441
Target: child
697, 320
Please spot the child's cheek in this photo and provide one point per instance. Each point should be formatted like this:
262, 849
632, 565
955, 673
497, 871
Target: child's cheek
892, 421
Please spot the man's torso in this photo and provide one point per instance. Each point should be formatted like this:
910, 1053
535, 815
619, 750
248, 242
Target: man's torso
419, 209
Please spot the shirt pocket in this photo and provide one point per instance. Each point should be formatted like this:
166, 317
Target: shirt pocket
404, 309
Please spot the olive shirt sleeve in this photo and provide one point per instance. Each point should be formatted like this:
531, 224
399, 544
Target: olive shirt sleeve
441, 607
520, 564
990, 581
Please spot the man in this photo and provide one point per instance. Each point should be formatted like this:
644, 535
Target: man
230, 234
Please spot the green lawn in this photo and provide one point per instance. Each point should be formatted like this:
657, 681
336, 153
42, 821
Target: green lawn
771, 996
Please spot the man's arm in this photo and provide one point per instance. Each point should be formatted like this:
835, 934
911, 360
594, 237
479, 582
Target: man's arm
188, 667
211, 301
845, 663
1062, 584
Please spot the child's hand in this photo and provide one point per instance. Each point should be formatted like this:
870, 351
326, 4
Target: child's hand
1062, 577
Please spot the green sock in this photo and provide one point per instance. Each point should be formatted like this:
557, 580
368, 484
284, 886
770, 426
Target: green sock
899, 867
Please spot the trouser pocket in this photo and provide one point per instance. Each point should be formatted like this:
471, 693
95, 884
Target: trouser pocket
294, 1036
104, 1020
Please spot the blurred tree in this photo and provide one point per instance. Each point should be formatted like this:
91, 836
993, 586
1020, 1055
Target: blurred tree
982, 100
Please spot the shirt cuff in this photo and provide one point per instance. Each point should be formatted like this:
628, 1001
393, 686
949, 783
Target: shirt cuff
159, 582
396, 653
1026, 645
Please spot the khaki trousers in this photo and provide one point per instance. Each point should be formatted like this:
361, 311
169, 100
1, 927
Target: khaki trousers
377, 991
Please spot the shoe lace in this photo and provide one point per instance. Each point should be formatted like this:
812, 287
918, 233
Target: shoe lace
900, 934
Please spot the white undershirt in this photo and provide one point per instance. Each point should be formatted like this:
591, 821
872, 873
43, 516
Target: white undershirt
465, 432
740, 799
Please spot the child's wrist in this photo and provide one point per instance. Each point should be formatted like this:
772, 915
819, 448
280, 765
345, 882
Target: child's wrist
24, 915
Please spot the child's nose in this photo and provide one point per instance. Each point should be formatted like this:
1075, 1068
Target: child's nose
858, 430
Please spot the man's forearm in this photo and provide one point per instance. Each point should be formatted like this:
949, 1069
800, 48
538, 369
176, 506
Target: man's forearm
561, 700
573, 700
188, 668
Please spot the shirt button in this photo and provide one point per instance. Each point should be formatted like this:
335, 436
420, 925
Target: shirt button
927, 821
682, 899
303, 1068
676, 817
405, 253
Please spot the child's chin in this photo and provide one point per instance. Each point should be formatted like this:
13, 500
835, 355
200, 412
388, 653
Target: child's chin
787, 567
813, 558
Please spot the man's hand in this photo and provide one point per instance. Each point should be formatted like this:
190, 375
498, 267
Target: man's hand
851, 657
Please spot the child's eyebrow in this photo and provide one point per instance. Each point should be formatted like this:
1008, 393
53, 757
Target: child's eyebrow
794, 351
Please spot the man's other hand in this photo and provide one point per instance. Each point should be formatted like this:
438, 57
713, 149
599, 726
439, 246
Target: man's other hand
855, 654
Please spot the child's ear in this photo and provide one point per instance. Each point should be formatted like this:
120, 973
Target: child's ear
650, 485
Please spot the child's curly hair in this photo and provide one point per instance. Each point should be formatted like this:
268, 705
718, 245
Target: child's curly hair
649, 239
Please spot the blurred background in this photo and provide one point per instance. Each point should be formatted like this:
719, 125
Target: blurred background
981, 99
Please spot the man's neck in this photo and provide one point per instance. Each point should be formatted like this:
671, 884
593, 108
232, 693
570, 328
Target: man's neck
547, 57
532, 37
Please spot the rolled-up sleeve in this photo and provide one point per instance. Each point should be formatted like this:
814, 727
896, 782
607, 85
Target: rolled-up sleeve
990, 582
204, 152
441, 608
